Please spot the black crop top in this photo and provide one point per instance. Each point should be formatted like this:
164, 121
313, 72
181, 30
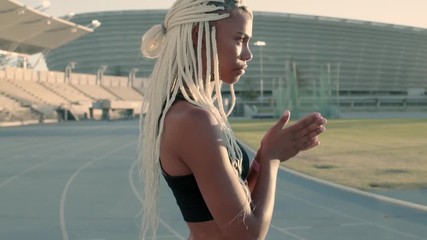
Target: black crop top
188, 196
187, 193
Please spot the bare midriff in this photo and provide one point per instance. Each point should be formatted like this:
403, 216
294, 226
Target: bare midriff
205, 231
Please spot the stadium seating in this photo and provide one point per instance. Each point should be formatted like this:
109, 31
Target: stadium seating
364, 60
11, 110
29, 94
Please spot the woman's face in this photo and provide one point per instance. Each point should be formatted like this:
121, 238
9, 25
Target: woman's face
233, 35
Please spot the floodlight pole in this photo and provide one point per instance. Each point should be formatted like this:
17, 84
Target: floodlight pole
68, 69
132, 74
338, 85
100, 74
261, 44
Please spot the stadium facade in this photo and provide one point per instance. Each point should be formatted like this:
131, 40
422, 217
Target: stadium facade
308, 59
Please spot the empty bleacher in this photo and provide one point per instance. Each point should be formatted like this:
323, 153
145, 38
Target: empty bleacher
120, 87
12, 110
125, 93
68, 92
42, 92
30, 94
88, 85
7, 87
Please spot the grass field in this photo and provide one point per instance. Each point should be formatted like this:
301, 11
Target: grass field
365, 154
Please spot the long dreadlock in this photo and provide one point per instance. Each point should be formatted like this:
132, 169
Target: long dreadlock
179, 69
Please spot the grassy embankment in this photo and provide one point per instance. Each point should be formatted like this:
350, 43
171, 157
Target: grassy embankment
365, 154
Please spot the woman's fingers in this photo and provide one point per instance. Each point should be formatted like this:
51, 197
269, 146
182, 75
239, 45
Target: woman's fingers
315, 128
310, 144
284, 143
282, 121
314, 118
305, 133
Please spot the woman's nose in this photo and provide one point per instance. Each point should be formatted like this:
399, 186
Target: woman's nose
247, 54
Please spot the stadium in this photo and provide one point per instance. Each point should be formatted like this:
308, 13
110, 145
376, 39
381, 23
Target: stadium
33, 96
344, 64
305, 63
78, 177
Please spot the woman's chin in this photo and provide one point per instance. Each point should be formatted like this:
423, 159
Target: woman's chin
231, 80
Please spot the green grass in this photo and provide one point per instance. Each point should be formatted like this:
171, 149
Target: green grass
365, 154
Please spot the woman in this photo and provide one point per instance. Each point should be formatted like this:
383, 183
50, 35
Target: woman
185, 134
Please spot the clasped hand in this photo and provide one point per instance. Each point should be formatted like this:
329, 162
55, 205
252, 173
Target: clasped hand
282, 143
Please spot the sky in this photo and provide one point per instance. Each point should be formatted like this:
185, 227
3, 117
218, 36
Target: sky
400, 12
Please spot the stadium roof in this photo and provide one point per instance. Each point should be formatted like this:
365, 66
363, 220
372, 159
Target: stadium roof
27, 30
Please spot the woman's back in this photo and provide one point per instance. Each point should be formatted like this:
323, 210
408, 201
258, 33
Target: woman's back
178, 121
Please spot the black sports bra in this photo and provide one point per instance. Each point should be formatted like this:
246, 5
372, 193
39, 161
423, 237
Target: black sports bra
187, 193
188, 196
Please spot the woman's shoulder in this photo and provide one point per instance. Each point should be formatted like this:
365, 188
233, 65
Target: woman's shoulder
184, 114
189, 132
188, 126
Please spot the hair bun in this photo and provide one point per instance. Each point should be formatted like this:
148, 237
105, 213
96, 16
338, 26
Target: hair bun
152, 42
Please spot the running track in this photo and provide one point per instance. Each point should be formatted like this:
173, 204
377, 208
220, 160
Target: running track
79, 181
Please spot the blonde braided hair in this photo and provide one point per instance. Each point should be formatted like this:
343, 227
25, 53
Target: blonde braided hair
179, 69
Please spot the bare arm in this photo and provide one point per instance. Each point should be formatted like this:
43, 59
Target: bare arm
253, 173
300, 130
200, 146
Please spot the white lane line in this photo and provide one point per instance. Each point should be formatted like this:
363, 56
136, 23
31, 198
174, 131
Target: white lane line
56, 143
286, 232
36, 145
41, 146
68, 184
64, 196
136, 192
312, 227
352, 224
94, 239
9, 180
360, 192
167, 226
345, 188
24, 172
350, 189
360, 220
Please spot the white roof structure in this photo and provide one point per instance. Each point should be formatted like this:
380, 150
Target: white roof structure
29, 31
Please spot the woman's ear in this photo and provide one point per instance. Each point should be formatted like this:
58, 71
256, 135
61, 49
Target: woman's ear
195, 35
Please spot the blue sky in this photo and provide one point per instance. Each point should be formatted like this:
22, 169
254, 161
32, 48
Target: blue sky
401, 12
